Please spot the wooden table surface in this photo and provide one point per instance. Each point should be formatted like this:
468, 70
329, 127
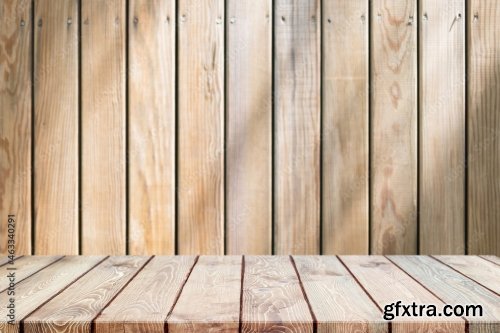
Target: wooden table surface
246, 294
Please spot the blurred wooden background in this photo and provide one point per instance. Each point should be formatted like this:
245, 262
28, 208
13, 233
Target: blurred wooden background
250, 126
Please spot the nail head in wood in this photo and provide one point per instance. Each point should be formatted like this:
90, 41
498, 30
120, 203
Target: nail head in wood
233, 19
23, 23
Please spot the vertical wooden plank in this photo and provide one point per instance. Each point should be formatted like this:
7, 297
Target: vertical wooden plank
210, 299
272, 297
394, 127
249, 127
442, 127
16, 42
201, 127
103, 127
484, 127
345, 127
297, 124
56, 127
152, 126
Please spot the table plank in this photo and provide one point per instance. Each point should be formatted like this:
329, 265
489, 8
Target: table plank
25, 267
331, 290
454, 288
388, 284
4, 260
478, 269
74, 309
210, 299
145, 303
272, 297
493, 259
42, 286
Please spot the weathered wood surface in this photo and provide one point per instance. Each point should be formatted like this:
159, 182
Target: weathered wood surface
300, 294
16, 45
24, 267
345, 127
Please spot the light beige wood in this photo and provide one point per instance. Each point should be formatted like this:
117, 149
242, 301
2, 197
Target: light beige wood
151, 152
339, 303
75, 308
16, 43
387, 284
23, 268
478, 269
5, 260
213, 289
144, 304
345, 127
103, 127
56, 127
249, 127
483, 232
394, 127
200, 129
442, 127
39, 288
297, 126
272, 297
493, 259
453, 288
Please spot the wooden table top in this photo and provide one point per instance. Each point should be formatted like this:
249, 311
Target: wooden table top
248, 293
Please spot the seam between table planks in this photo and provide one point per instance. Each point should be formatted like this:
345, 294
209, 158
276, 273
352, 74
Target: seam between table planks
92, 321
21, 321
165, 322
425, 287
5, 263
313, 316
483, 257
468, 277
1, 291
240, 319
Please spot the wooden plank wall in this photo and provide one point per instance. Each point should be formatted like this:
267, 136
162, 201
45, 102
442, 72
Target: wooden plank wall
250, 127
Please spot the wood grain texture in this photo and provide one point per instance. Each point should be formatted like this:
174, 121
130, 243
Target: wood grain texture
394, 127
213, 289
442, 127
249, 127
200, 127
483, 127
272, 297
376, 273
144, 304
297, 126
339, 303
478, 269
151, 52
345, 127
493, 259
16, 45
25, 267
453, 288
37, 289
56, 127
103, 127
75, 308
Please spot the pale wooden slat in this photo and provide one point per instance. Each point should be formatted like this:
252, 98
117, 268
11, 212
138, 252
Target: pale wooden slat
151, 126
493, 259
37, 289
200, 127
24, 267
394, 127
16, 42
478, 269
210, 300
249, 127
339, 303
144, 304
75, 308
103, 127
272, 297
345, 127
453, 288
484, 127
442, 127
56, 127
297, 126
387, 284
